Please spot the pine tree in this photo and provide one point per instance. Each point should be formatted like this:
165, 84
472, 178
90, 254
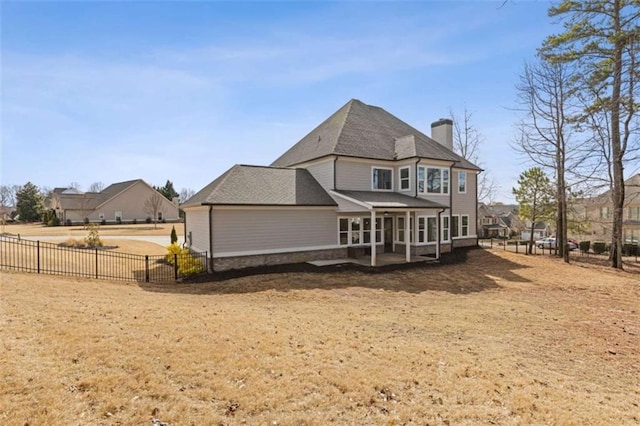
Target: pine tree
174, 235
534, 195
29, 203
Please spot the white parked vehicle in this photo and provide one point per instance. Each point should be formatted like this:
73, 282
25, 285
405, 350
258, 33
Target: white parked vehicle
550, 243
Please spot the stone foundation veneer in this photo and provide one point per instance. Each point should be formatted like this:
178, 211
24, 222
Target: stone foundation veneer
239, 262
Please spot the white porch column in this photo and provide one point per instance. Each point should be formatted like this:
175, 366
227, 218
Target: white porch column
373, 238
407, 237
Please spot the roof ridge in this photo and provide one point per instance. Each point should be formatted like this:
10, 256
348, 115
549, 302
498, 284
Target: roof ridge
344, 121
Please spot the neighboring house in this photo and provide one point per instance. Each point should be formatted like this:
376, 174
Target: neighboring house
598, 213
361, 183
490, 223
123, 201
540, 230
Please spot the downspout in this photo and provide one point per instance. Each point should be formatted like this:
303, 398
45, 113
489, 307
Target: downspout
211, 236
476, 218
335, 161
439, 232
184, 222
416, 175
451, 205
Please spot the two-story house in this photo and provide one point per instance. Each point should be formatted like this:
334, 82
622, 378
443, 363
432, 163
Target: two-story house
361, 183
598, 213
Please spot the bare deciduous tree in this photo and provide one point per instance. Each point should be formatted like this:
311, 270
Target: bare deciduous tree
185, 194
96, 187
152, 206
467, 141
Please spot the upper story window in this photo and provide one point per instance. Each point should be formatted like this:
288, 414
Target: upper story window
404, 178
382, 179
462, 182
433, 180
605, 213
634, 213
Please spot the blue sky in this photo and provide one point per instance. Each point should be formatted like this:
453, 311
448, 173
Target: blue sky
112, 91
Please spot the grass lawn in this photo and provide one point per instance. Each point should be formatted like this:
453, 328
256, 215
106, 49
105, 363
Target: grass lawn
38, 229
502, 339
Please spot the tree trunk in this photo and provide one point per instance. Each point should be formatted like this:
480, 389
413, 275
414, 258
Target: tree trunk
618, 173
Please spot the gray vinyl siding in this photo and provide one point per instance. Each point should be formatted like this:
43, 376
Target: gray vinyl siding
354, 176
197, 219
272, 229
465, 203
323, 173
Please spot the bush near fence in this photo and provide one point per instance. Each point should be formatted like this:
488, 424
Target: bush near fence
48, 258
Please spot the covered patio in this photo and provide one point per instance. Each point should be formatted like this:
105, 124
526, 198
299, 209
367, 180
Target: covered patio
384, 204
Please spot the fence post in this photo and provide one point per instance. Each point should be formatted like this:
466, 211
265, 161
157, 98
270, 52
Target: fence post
175, 266
38, 248
146, 268
96, 263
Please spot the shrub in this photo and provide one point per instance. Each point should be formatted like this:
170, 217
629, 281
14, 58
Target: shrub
599, 247
174, 235
584, 246
103, 222
135, 221
54, 221
69, 223
148, 219
187, 263
118, 220
86, 220
93, 238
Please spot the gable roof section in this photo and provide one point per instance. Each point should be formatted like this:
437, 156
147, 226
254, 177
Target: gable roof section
267, 186
92, 200
365, 131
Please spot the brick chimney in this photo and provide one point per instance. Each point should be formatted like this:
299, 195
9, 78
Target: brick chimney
442, 132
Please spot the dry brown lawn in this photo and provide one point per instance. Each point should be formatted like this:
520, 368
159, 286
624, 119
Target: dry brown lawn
37, 229
502, 339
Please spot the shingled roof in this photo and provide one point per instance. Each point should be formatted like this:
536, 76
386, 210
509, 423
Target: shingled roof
365, 131
390, 200
266, 186
91, 200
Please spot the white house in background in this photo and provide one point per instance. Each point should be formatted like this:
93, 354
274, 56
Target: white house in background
119, 202
361, 183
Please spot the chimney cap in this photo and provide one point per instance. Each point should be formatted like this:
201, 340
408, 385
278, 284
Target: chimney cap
441, 122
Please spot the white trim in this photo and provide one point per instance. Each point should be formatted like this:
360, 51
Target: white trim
424, 185
400, 169
259, 207
442, 228
382, 168
275, 251
468, 237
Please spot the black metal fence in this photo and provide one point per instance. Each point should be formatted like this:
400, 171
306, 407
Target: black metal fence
49, 258
629, 251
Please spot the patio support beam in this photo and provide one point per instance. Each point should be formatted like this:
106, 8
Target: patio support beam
373, 238
407, 237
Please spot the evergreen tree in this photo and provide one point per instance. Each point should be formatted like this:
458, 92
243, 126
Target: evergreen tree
534, 195
29, 203
168, 191
174, 235
601, 39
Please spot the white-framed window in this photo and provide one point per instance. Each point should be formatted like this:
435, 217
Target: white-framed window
464, 225
605, 212
405, 178
433, 180
118, 215
400, 229
445, 228
381, 179
460, 225
101, 216
462, 182
634, 213
354, 231
455, 226
427, 229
